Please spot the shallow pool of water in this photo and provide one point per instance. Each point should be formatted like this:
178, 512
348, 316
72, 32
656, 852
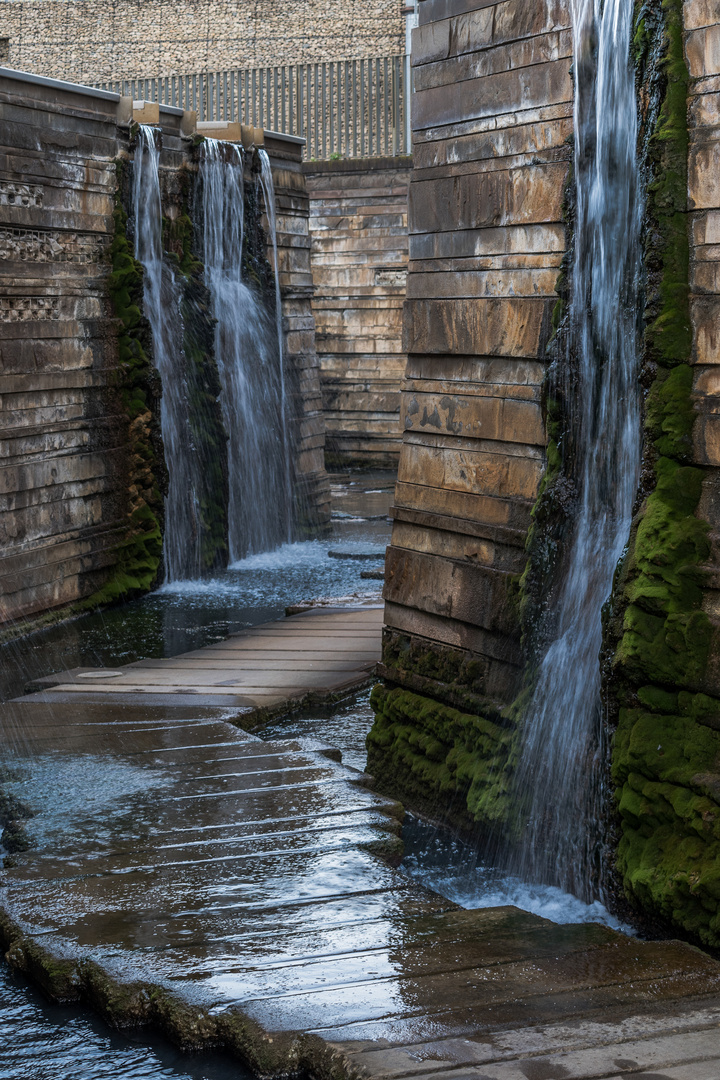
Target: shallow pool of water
446, 865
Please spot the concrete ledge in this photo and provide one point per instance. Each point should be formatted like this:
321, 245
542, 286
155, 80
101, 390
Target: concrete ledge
58, 84
75, 88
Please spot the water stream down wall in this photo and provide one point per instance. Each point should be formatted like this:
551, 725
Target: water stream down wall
247, 353
594, 383
552, 637
83, 469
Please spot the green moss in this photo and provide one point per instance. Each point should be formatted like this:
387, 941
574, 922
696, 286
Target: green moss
452, 765
137, 555
203, 381
666, 753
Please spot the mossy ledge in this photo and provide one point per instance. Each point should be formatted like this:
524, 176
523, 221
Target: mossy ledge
141, 1004
659, 643
453, 766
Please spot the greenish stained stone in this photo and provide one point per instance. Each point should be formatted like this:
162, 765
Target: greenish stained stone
137, 556
666, 752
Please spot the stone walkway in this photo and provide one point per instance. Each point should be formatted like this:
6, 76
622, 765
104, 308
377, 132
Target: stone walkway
320, 653
236, 891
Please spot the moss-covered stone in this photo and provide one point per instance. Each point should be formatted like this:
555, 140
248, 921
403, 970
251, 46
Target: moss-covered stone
13, 815
137, 556
203, 381
451, 765
666, 752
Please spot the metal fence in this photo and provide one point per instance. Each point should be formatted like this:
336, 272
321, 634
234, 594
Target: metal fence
349, 108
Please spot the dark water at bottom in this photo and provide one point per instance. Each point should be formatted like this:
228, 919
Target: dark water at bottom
40, 1041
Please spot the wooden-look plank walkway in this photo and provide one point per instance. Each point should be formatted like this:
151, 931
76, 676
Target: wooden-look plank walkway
319, 653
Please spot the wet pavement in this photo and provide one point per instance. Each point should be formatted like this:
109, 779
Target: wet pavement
253, 882
189, 615
320, 653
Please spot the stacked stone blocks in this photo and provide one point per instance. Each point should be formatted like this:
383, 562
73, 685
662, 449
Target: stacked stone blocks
358, 226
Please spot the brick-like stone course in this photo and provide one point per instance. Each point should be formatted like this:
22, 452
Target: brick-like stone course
358, 224
65, 442
95, 40
491, 115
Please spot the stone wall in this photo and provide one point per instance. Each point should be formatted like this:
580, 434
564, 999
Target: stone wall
64, 436
358, 227
491, 116
293, 210
82, 462
93, 41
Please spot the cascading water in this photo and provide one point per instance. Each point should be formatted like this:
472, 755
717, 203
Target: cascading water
250, 361
268, 190
559, 775
162, 302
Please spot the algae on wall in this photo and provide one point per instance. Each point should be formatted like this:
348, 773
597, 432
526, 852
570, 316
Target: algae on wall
660, 643
661, 690
203, 380
137, 556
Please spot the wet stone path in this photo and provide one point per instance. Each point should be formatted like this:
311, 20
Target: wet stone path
274, 666
240, 892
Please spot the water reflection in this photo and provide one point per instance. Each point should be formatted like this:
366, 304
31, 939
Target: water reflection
442, 862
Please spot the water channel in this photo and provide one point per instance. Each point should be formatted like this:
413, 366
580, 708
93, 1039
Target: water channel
43, 1041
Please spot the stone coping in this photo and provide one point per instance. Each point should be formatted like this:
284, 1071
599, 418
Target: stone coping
294, 141
74, 88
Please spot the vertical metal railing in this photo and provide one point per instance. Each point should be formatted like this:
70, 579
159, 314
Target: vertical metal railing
343, 108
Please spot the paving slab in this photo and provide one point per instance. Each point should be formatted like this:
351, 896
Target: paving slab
265, 669
243, 892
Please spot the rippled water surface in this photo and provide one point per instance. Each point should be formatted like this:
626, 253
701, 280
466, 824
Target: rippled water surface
40, 1041
448, 866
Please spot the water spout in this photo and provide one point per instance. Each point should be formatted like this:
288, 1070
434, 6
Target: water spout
559, 777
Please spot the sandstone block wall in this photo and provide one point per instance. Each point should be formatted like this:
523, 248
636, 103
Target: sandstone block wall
702, 50
293, 211
93, 41
63, 438
358, 228
70, 475
491, 115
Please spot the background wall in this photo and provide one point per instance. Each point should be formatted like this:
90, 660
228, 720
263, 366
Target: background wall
94, 40
358, 228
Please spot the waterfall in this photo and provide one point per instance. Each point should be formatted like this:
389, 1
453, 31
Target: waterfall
162, 300
560, 769
268, 190
249, 359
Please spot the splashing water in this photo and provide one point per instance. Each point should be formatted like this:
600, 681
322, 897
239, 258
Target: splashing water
560, 771
163, 310
252, 379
